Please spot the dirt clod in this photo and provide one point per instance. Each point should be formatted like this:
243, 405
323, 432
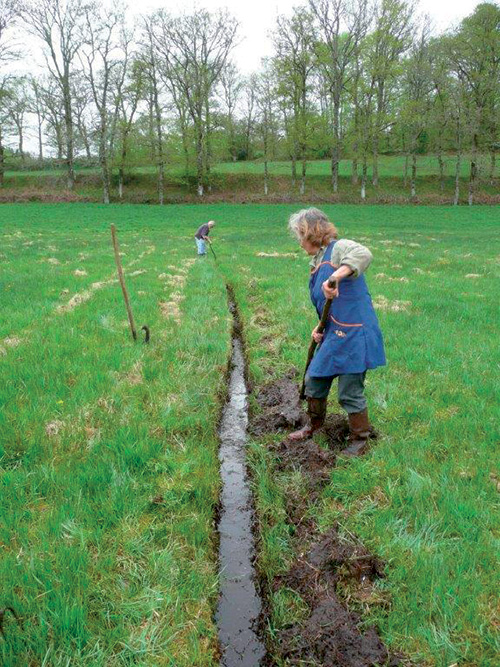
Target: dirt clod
306, 455
332, 634
280, 403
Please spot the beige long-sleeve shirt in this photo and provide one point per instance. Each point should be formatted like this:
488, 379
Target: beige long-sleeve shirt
352, 254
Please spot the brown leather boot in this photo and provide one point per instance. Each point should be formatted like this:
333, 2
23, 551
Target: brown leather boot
359, 432
316, 412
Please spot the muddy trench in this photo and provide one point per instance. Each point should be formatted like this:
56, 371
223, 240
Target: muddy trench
330, 566
240, 606
326, 564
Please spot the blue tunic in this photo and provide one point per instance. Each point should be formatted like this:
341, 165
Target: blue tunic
353, 341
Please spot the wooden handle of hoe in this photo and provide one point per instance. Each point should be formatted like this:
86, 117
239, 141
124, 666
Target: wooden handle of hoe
320, 328
122, 282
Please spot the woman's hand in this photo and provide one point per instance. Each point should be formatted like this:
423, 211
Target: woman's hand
330, 292
316, 336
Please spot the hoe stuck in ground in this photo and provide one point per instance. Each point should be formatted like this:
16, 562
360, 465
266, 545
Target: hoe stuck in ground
121, 278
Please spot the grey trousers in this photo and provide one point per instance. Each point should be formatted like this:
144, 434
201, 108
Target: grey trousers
351, 388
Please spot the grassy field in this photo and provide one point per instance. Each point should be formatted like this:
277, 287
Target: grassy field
244, 181
108, 463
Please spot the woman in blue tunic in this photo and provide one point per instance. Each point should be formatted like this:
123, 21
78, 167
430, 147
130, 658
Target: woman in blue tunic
352, 341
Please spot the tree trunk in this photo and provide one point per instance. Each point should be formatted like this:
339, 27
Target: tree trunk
493, 158
472, 180
208, 147
266, 177
303, 177
105, 183
159, 139
441, 169
40, 140
355, 175
335, 169
185, 144
405, 179
103, 159
414, 175
336, 144
21, 148
68, 121
2, 161
375, 162
294, 170
120, 182
456, 197
363, 178
199, 158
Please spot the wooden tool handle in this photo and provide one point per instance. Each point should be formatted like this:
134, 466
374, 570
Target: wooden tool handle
320, 328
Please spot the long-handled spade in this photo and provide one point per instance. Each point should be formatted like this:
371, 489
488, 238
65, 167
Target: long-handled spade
320, 328
213, 251
124, 289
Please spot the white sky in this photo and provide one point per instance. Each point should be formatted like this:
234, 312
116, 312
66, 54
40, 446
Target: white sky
257, 18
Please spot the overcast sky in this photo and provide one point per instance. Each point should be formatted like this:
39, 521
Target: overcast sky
257, 18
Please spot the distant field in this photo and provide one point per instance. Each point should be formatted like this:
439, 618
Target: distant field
427, 165
108, 456
243, 181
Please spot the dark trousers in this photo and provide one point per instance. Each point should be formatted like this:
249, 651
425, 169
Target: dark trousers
351, 390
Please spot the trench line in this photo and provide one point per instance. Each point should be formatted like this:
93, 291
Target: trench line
239, 605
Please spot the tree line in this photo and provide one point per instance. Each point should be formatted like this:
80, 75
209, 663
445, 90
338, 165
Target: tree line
348, 79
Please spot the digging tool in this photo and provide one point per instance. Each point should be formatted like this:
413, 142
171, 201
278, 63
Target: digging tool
124, 288
213, 252
122, 282
320, 328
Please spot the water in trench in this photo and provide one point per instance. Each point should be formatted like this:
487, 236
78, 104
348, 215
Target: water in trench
239, 604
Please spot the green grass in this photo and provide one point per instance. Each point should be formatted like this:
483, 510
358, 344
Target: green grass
426, 497
243, 181
94, 427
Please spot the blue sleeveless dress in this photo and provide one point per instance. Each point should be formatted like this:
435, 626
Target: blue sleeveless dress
353, 341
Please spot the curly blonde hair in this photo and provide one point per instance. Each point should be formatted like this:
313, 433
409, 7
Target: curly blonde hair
311, 224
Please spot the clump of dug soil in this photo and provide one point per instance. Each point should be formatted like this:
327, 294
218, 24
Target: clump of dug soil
282, 410
281, 406
332, 635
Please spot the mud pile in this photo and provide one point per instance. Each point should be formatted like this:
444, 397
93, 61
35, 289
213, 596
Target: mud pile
332, 635
281, 406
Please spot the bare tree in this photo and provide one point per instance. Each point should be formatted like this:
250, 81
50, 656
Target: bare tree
231, 87
129, 95
388, 42
265, 90
418, 85
102, 53
37, 107
152, 57
295, 63
84, 114
16, 104
343, 24
59, 24
194, 50
9, 12
249, 112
